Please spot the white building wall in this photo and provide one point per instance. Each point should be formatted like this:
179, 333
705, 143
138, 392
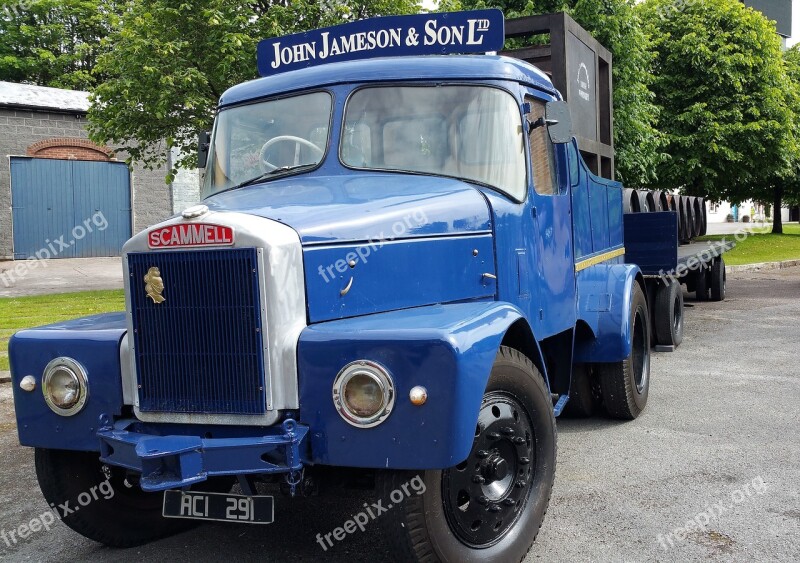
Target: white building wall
185, 187
718, 212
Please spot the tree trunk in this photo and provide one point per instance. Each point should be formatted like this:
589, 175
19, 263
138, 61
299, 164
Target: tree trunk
777, 225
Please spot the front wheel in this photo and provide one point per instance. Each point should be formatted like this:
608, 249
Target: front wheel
100, 503
489, 507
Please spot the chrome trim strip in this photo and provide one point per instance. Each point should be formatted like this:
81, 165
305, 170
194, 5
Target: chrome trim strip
125, 363
417, 238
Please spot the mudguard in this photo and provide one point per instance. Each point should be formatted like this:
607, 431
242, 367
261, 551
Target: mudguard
94, 342
448, 349
604, 304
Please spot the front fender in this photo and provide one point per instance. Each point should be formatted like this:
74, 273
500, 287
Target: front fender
604, 304
448, 349
94, 342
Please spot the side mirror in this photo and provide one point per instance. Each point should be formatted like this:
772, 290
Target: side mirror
203, 145
559, 122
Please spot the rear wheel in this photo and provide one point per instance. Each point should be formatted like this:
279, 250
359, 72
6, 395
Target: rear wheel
718, 280
583, 396
669, 314
489, 507
625, 384
701, 284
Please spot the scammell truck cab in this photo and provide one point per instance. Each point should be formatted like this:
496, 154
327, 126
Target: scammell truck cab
400, 270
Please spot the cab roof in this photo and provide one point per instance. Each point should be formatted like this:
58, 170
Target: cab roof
395, 69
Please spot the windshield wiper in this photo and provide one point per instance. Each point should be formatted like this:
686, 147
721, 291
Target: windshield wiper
271, 173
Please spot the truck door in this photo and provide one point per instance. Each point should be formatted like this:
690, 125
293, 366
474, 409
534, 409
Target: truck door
549, 201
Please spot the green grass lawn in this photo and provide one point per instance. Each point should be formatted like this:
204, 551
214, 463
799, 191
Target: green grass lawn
763, 246
26, 312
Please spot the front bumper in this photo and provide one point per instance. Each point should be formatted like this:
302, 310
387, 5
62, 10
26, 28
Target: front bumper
173, 462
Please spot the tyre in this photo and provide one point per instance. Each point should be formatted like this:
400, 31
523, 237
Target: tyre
583, 397
98, 501
701, 289
625, 384
669, 314
489, 507
718, 280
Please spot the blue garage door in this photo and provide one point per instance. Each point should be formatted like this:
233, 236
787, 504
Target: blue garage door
69, 208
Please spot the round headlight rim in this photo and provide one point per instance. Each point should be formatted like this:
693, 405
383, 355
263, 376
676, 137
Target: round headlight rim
380, 375
74, 367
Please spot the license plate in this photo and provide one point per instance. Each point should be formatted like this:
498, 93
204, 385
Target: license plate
219, 507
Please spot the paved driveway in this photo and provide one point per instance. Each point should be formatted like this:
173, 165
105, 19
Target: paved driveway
64, 275
717, 447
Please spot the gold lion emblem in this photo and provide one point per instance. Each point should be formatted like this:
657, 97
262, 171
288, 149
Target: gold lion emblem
154, 285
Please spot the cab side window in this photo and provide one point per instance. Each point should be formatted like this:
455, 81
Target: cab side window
545, 181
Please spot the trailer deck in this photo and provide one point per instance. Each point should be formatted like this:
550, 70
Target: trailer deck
705, 251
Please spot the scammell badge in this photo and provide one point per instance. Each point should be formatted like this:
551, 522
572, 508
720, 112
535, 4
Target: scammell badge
154, 285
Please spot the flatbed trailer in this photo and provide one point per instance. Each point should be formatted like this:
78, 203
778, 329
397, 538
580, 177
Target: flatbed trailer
652, 242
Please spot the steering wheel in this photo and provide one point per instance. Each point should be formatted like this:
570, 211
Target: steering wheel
267, 166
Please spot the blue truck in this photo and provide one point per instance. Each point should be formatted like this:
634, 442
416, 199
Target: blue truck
401, 271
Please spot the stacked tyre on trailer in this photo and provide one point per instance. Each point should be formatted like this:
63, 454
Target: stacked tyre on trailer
691, 210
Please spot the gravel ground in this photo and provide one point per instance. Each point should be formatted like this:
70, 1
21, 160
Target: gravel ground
719, 444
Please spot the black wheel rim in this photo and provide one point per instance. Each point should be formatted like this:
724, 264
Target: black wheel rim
485, 495
639, 352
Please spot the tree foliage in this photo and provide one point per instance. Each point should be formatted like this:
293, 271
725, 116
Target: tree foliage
784, 186
725, 107
616, 25
171, 61
53, 42
791, 185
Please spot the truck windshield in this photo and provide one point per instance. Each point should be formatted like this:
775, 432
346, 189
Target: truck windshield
272, 137
468, 132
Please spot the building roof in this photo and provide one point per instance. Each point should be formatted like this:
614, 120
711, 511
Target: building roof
28, 96
405, 69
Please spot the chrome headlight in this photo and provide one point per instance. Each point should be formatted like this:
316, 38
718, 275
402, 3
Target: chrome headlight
65, 386
363, 393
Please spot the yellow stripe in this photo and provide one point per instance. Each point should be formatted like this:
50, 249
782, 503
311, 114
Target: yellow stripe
600, 258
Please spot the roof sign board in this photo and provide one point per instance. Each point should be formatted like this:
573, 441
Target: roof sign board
477, 31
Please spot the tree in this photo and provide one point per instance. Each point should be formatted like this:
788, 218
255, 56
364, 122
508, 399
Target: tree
616, 25
787, 188
168, 63
53, 42
725, 107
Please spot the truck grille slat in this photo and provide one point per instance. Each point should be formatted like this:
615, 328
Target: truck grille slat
201, 349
